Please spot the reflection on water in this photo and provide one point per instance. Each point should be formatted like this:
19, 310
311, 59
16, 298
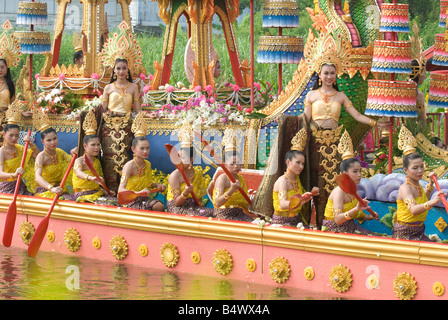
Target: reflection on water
56, 276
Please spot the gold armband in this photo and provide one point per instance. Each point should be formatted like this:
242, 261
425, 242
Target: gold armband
409, 203
49, 186
426, 206
349, 105
337, 211
429, 187
226, 196
372, 123
347, 216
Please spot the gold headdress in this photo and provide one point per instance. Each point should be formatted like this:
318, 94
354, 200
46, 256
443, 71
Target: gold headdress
77, 41
345, 146
229, 140
299, 140
89, 124
406, 141
122, 45
139, 125
14, 112
40, 120
9, 46
330, 47
185, 136
417, 54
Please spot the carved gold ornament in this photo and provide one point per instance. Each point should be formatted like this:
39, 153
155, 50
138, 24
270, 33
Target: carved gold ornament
96, 243
438, 288
143, 250
251, 265
50, 236
118, 247
440, 224
340, 278
308, 273
279, 269
195, 257
222, 261
26, 231
72, 239
169, 254
405, 286
373, 281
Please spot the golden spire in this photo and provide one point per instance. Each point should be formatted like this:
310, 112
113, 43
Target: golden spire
77, 41
14, 112
40, 120
299, 140
406, 141
139, 125
90, 125
9, 46
185, 136
229, 140
345, 146
417, 54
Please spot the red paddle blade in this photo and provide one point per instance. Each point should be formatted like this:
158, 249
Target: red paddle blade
174, 156
9, 224
38, 237
346, 184
126, 197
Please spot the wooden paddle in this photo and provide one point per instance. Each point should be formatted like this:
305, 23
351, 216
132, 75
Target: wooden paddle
39, 234
125, 197
349, 186
296, 200
12, 210
219, 162
177, 161
445, 203
92, 169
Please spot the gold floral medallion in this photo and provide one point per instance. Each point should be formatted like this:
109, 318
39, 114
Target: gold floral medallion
440, 224
96, 243
195, 257
26, 231
169, 255
50, 236
251, 265
308, 273
143, 250
438, 288
279, 269
405, 286
118, 247
340, 278
373, 281
222, 261
72, 239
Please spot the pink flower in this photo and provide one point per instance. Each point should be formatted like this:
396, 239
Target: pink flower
248, 110
197, 88
150, 76
142, 76
212, 100
61, 76
208, 88
235, 87
224, 120
146, 88
36, 76
257, 86
240, 107
98, 92
94, 76
169, 88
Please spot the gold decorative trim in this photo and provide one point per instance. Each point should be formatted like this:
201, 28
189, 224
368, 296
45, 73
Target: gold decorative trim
26, 231
50, 236
340, 278
251, 265
222, 261
373, 281
279, 269
308, 273
405, 286
118, 247
96, 243
438, 288
195, 257
440, 224
143, 250
72, 239
169, 255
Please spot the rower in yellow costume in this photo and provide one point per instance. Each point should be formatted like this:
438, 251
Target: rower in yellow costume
52, 162
179, 197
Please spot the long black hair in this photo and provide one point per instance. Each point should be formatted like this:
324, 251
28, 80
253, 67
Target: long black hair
9, 82
114, 76
44, 133
318, 83
408, 158
347, 163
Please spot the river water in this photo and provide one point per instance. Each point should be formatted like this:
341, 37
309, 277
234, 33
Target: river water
55, 276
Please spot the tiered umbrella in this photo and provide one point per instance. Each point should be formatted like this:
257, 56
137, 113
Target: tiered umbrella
280, 49
390, 97
33, 42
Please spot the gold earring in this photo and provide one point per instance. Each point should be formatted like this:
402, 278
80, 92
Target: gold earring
320, 81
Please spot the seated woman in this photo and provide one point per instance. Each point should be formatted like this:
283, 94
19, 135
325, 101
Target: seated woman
287, 186
10, 160
137, 177
179, 196
342, 208
51, 165
85, 184
412, 201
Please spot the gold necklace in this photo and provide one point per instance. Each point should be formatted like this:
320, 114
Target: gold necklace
418, 189
13, 154
140, 170
122, 91
54, 159
294, 183
326, 97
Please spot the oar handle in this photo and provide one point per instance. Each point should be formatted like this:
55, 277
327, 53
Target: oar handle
92, 169
445, 203
187, 182
223, 167
363, 203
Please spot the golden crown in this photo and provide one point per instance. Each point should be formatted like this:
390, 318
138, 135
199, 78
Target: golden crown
406, 141
40, 119
299, 140
345, 146
417, 54
14, 113
139, 125
77, 41
89, 124
185, 136
9, 46
230, 140
122, 45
